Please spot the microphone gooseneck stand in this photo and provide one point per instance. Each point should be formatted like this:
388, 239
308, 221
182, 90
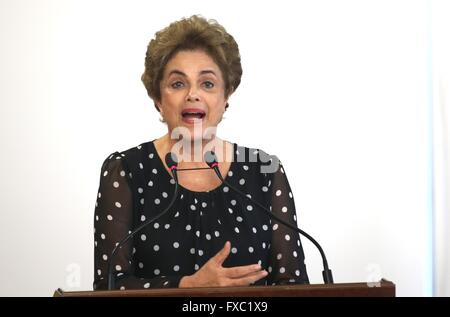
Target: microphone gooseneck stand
327, 275
172, 164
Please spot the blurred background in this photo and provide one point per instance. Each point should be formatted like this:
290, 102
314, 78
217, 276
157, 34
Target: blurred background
352, 96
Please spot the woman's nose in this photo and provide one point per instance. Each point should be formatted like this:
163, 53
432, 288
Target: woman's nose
192, 96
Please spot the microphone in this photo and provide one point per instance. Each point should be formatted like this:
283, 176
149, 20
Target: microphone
172, 163
211, 160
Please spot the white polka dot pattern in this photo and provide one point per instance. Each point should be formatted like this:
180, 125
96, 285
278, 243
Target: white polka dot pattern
183, 240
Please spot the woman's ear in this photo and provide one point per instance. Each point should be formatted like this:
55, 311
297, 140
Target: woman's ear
226, 101
158, 105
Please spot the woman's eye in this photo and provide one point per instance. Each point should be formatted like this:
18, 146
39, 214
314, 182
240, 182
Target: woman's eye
177, 84
208, 84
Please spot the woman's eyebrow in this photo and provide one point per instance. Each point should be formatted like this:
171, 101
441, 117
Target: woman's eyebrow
179, 72
208, 71
176, 72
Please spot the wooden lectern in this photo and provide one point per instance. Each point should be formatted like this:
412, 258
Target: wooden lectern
382, 289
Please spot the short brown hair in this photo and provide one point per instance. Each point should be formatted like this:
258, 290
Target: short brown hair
192, 33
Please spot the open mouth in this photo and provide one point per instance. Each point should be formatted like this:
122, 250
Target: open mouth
193, 115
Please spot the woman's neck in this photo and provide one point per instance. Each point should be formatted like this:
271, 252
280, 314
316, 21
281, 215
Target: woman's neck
190, 153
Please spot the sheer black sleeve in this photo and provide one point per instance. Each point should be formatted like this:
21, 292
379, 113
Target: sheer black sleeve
286, 259
113, 221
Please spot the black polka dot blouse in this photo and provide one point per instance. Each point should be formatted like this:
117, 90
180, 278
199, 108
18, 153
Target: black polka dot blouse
134, 186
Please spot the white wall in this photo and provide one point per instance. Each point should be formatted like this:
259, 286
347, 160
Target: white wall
337, 89
441, 138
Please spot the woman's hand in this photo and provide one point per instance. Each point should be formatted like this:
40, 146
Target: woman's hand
214, 274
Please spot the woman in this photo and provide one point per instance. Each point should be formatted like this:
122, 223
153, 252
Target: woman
211, 236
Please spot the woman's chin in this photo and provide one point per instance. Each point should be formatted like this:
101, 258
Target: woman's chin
198, 132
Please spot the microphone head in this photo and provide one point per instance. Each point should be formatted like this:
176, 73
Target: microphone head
211, 159
171, 161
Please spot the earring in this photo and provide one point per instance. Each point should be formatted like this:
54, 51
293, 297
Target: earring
162, 120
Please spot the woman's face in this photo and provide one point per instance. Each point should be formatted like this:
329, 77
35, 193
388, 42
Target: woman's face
192, 93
